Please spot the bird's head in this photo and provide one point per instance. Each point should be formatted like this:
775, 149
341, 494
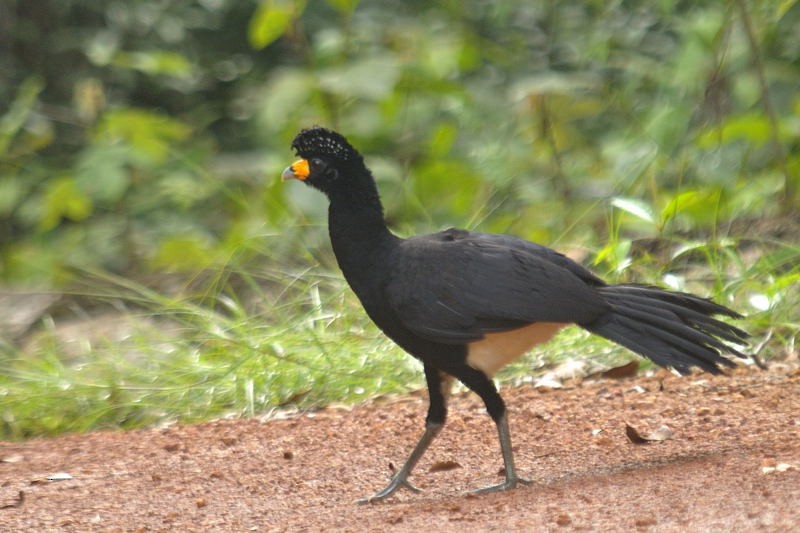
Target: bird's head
327, 160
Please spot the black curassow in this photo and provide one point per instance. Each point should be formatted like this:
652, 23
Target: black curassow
468, 303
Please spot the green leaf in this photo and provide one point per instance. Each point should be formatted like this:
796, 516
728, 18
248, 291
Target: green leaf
63, 199
635, 207
150, 134
102, 172
784, 8
189, 253
23, 104
11, 192
155, 62
751, 127
680, 203
271, 20
442, 140
702, 206
343, 6
469, 57
616, 254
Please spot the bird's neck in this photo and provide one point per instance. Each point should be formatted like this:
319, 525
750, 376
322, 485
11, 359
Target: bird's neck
359, 234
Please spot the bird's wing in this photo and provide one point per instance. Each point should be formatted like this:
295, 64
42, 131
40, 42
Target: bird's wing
455, 286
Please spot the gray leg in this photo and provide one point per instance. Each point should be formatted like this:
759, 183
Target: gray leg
439, 385
512, 479
400, 479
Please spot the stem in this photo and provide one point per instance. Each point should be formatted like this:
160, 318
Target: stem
789, 193
546, 128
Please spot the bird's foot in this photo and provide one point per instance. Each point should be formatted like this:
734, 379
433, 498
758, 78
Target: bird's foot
509, 483
397, 482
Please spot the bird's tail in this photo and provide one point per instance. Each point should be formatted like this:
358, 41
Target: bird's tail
673, 329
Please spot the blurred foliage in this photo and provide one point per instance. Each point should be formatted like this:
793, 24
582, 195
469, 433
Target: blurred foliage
148, 135
143, 140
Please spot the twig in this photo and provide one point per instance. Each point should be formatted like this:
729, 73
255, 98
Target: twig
18, 503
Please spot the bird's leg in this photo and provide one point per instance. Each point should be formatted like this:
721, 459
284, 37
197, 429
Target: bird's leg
512, 479
439, 385
400, 479
484, 387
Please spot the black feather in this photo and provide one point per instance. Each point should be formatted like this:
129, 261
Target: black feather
456, 286
322, 142
673, 329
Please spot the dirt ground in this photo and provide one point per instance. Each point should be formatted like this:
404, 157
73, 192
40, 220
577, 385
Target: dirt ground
732, 463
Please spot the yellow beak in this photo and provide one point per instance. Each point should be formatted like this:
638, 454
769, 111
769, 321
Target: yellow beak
298, 170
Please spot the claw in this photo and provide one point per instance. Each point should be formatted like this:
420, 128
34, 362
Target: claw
509, 483
396, 483
400, 479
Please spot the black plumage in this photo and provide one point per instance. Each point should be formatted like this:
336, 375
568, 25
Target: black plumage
467, 303
456, 286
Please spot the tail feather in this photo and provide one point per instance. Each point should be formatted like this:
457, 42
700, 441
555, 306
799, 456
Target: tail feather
673, 329
696, 329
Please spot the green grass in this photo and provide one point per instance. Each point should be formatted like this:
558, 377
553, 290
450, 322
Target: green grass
301, 340
297, 348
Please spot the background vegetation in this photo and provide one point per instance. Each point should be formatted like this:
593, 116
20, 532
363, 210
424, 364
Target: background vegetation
141, 144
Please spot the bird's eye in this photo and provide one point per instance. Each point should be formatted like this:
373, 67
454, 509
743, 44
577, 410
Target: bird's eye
317, 162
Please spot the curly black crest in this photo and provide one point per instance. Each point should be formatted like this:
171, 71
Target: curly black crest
318, 141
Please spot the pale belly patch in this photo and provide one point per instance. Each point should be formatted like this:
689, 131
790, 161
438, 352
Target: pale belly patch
496, 350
